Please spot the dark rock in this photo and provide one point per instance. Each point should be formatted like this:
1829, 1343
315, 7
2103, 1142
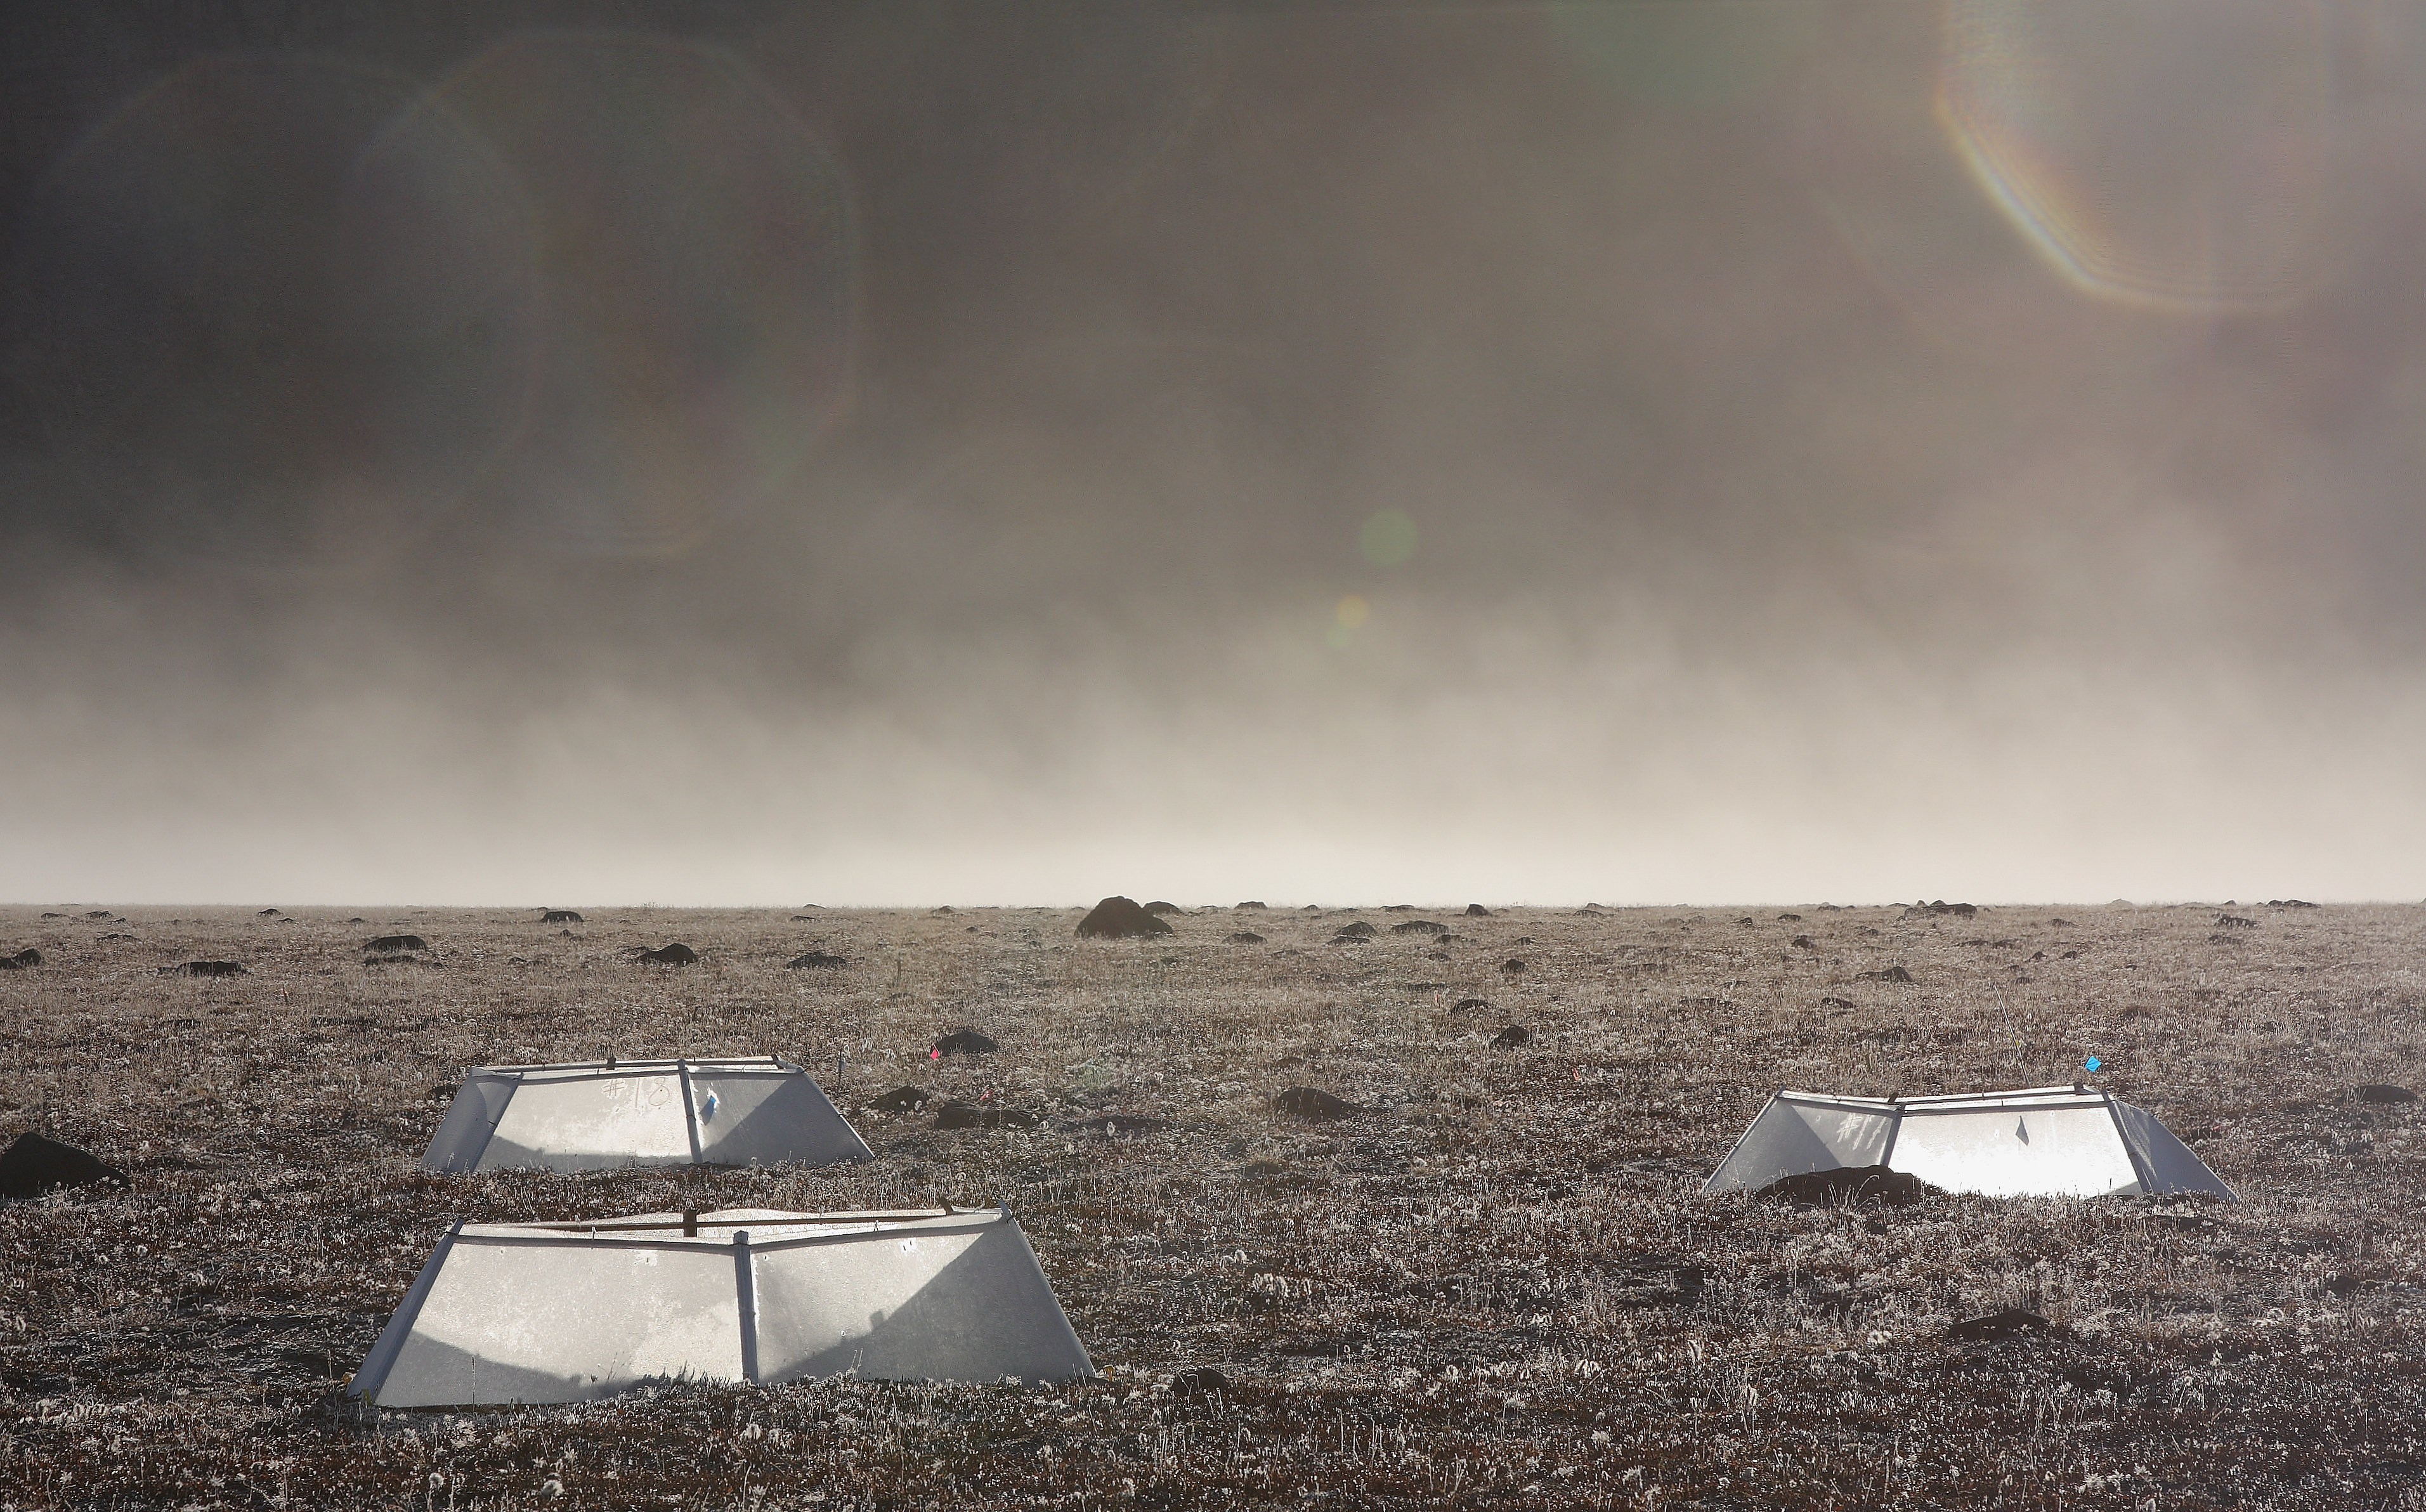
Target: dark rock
1198, 1381
390, 944
1246, 937
266, 913
1122, 1125
1511, 967
1119, 918
1893, 973
1256, 906
1313, 1103
1475, 910
1789, 918
562, 916
1470, 1006
965, 1043
803, 918
2004, 1325
1805, 942
1345, 939
25, 957
34, 1165
212, 968
1960, 911
1847, 1186
815, 958
1524, 940
2288, 903
673, 955
900, 1100
1159, 909
103, 914
1358, 928
55, 916
1515, 1036
972, 1116
2378, 1092
1419, 927
1837, 1003
356, 919
2234, 921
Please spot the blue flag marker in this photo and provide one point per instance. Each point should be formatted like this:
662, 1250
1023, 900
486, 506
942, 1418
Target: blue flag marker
2092, 1062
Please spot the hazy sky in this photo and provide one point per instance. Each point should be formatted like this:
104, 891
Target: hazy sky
1724, 452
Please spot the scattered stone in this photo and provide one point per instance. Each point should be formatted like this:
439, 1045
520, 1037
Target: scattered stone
103, 914
1470, 1006
34, 1165
1256, 906
1313, 1103
1198, 1381
562, 916
1893, 973
1847, 1187
1845, 1005
900, 1100
55, 916
1119, 918
266, 913
2061, 924
2288, 903
972, 1116
19, 962
356, 919
803, 918
1475, 910
1246, 937
1513, 1037
2378, 1092
817, 959
1512, 967
673, 955
1419, 927
1159, 909
1311, 907
965, 1043
1789, 918
211, 968
1805, 942
2006, 1324
390, 944
1344, 938
1122, 1125
1360, 929
2234, 921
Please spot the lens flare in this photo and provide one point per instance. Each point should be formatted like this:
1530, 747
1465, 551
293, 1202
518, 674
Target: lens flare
2178, 154
1387, 539
1696, 53
263, 334
696, 247
1352, 612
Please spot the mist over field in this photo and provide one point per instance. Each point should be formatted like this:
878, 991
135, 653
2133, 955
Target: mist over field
876, 454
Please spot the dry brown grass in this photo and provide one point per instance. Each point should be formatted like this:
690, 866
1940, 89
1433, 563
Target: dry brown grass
1498, 1286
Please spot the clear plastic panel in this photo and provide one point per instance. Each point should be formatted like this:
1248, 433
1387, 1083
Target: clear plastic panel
904, 1304
564, 1322
764, 1114
1792, 1137
2033, 1151
580, 1120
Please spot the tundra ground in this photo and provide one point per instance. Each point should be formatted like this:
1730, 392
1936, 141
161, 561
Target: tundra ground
1496, 1285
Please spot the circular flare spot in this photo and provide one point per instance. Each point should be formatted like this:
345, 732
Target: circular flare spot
1388, 539
1353, 613
262, 330
696, 247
